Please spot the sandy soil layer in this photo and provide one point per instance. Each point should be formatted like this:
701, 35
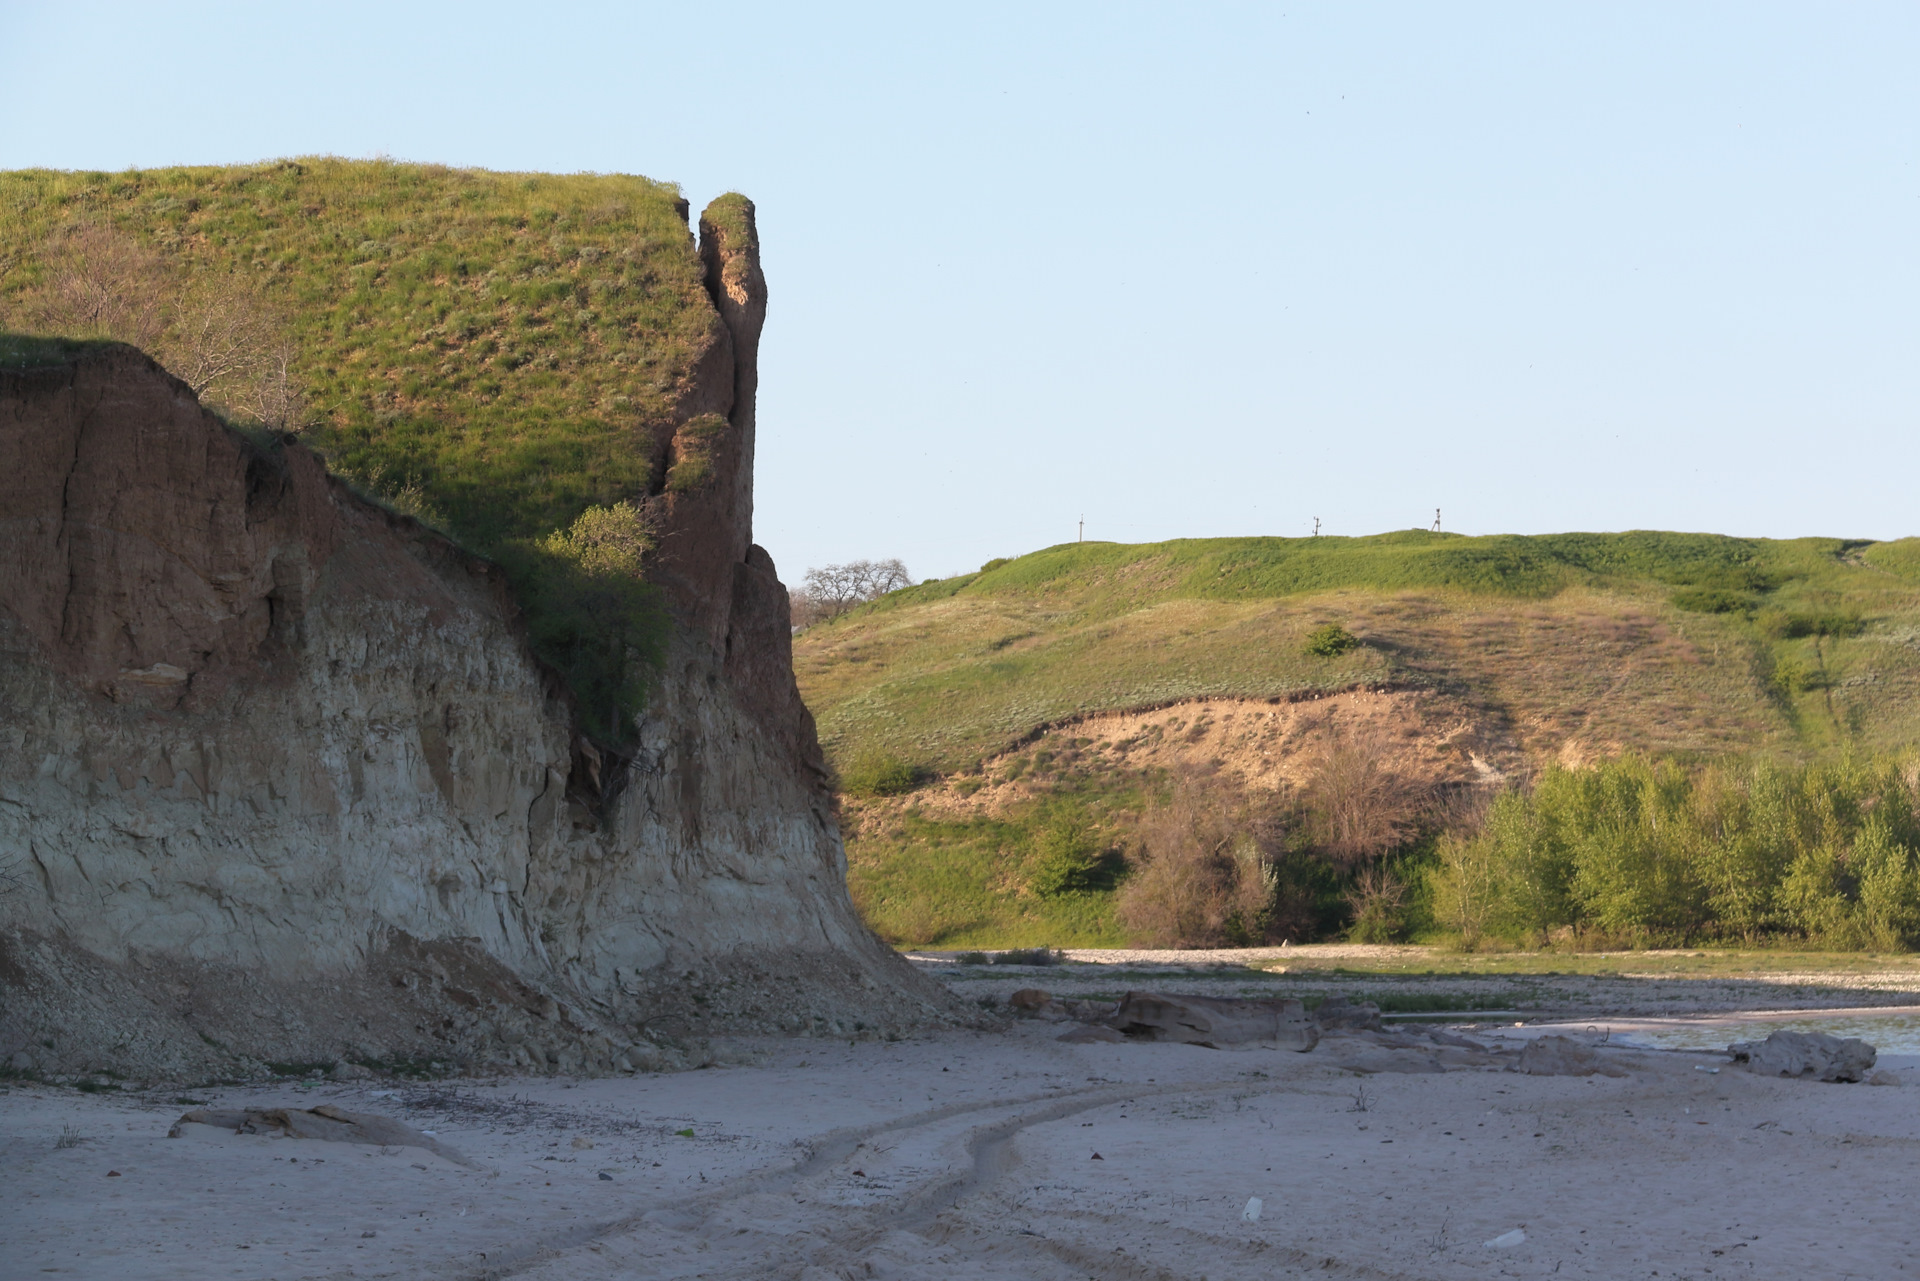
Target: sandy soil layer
993, 1155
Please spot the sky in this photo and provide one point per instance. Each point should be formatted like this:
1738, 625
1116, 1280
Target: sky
1176, 270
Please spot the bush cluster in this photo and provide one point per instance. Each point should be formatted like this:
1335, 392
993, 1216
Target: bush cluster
878, 774
1330, 641
591, 615
1635, 850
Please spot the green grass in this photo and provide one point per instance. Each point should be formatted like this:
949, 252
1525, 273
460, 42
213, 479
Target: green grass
931, 882
1441, 964
510, 341
495, 352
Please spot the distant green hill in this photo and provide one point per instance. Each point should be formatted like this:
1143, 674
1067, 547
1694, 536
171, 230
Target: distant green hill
1670, 642
1568, 647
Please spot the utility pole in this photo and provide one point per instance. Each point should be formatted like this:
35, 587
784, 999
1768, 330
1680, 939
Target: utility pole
1436, 520
1316, 527
1083, 529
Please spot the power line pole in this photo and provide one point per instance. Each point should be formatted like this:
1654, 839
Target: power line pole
1083, 529
1436, 520
1316, 527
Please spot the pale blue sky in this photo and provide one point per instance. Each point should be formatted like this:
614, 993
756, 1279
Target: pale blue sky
1190, 270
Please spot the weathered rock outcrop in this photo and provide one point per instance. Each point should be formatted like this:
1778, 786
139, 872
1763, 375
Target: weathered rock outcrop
1215, 1021
280, 779
1806, 1054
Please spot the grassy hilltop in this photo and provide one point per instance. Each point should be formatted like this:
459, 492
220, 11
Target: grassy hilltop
1690, 642
1570, 647
493, 352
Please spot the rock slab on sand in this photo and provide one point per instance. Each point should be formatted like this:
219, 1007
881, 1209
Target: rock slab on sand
332, 1124
1814, 1054
1563, 1056
1215, 1021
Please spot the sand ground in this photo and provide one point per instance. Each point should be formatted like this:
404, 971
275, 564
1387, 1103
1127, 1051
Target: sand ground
973, 1155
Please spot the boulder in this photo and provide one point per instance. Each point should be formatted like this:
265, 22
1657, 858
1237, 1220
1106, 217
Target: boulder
1035, 1003
1215, 1021
1814, 1054
1563, 1056
1337, 1013
1091, 1034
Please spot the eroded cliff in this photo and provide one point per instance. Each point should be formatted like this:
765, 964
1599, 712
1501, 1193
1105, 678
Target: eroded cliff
282, 781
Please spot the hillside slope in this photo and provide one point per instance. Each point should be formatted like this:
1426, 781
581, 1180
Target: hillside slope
1032, 679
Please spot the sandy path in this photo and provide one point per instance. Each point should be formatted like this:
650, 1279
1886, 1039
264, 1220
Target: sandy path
970, 1155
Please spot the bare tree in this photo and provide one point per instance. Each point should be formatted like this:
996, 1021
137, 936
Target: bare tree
222, 334
96, 282
831, 591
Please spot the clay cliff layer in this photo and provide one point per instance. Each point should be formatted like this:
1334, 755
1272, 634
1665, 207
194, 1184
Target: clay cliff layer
282, 781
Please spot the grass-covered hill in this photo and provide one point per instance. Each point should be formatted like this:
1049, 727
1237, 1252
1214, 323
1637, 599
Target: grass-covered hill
500, 341
494, 352
1572, 646
1670, 642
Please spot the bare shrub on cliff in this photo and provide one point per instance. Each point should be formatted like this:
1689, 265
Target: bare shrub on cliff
216, 332
96, 282
832, 590
1208, 875
223, 339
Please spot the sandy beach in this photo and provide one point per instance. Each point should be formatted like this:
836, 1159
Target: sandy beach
993, 1154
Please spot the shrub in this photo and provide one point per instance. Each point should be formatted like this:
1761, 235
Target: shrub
1378, 899
1639, 850
1712, 600
1068, 858
1330, 641
590, 614
1207, 876
1360, 805
1026, 956
693, 446
878, 774
1779, 624
1791, 676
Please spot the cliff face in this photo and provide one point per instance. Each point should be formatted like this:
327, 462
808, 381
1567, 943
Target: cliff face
280, 779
